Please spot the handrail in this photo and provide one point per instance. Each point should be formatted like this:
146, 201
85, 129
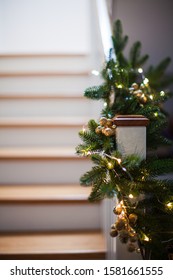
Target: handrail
105, 27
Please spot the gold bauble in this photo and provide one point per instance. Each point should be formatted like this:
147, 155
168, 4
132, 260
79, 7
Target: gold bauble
131, 247
117, 210
121, 224
135, 86
109, 122
113, 226
108, 131
133, 238
98, 129
103, 121
143, 99
133, 218
123, 236
113, 232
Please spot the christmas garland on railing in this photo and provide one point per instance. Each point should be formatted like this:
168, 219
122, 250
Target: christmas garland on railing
144, 213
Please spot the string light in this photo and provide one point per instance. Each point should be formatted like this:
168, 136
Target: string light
131, 195
156, 114
151, 96
145, 81
170, 205
162, 93
140, 70
146, 238
119, 86
95, 72
119, 160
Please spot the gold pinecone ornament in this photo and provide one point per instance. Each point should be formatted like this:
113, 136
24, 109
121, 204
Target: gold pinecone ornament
106, 127
124, 227
139, 91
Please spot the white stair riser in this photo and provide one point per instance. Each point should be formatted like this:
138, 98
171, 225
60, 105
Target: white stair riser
49, 108
39, 137
44, 64
55, 84
49, 217
42, 171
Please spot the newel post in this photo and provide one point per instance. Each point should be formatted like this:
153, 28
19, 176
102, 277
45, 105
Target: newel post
131, 134
130, 139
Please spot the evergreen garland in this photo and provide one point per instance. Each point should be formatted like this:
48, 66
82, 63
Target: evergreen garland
145, 209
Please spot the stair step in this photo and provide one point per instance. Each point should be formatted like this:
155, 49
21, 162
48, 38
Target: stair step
40, 96
43, 84
44, 62
49, 107
66, 153
30, 208
44, 194
41, 165
44, 122
61, 245
41, 74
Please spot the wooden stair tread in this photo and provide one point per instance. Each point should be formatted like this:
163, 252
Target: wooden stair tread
42, 55
22, 96
44, 193
43, 122
55, 245
35, 74
57, 153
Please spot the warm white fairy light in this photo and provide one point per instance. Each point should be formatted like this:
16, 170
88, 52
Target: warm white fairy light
170, 205
151, 96
105, 104
83, 129
140, 70
146, 238
162, 93
119, 160
131, 195
145, 81
95, 72
119, 86
156, 114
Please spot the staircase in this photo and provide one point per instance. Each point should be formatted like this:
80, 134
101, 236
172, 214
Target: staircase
44, 212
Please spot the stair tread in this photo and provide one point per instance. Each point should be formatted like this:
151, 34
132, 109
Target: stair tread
77, 96
38, 153
14, 74
58, 244
43, 121
43, 193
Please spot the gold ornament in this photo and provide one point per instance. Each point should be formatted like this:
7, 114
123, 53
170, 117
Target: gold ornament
98, 129
133, 218
108, 131
135, 86
103, 121
123, 236
109, 123
113, 232
113, 226
133, 238
121, 224
117, 210
131, 247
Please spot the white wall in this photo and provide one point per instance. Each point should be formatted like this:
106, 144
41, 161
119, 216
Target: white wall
43, 26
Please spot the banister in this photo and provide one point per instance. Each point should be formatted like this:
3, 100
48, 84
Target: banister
105, 27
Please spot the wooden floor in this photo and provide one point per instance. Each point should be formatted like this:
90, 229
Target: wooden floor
61, 245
